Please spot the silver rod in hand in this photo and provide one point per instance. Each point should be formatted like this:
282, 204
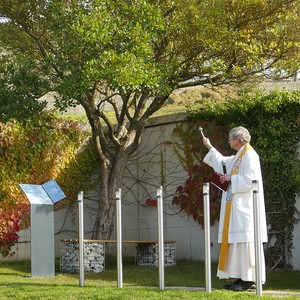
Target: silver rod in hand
201, 130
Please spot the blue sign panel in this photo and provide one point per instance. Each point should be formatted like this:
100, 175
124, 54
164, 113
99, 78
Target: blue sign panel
54, 191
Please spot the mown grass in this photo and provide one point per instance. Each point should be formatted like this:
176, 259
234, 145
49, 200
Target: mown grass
182, 281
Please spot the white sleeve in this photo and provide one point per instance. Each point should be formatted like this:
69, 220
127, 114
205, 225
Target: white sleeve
214, 159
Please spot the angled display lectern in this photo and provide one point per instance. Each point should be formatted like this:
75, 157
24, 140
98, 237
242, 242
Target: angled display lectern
42, 199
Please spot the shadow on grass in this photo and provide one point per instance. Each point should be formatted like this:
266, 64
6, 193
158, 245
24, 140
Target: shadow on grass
184, 274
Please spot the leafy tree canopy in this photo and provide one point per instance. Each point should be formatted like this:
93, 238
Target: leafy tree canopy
20, 87
130, 46
131, 54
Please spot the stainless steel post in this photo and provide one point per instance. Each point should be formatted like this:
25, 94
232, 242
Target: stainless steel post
119, 237
81, 239
206, 208
161, 248
257, 238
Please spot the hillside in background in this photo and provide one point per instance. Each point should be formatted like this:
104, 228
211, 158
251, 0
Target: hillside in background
181, 98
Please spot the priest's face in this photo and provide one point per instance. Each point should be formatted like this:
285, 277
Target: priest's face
235, 143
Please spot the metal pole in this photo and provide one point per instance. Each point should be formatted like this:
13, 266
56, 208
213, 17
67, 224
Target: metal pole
119, 238
206, 207
161, 248
81, 239
257, 238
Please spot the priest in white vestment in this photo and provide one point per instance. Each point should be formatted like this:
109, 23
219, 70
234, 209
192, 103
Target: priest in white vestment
236, 225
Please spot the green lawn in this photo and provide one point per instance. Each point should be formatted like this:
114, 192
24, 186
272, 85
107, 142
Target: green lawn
182, 281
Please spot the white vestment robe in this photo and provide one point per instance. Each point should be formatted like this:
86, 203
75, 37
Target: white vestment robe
241, 254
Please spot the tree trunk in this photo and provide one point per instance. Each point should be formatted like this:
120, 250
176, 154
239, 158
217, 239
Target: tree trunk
110, 182
113, 148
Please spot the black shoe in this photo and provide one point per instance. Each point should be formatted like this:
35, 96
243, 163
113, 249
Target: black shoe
241, 286
228, 286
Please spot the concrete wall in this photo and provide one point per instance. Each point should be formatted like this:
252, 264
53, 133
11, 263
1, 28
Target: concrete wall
153, 165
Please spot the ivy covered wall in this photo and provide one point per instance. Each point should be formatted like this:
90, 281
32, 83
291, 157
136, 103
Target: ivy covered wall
273, 120
34, 152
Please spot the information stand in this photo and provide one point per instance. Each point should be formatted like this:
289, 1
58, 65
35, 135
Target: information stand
42, 198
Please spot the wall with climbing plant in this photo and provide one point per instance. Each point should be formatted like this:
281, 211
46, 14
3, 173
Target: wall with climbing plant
190, 152
273, 120
35, 151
